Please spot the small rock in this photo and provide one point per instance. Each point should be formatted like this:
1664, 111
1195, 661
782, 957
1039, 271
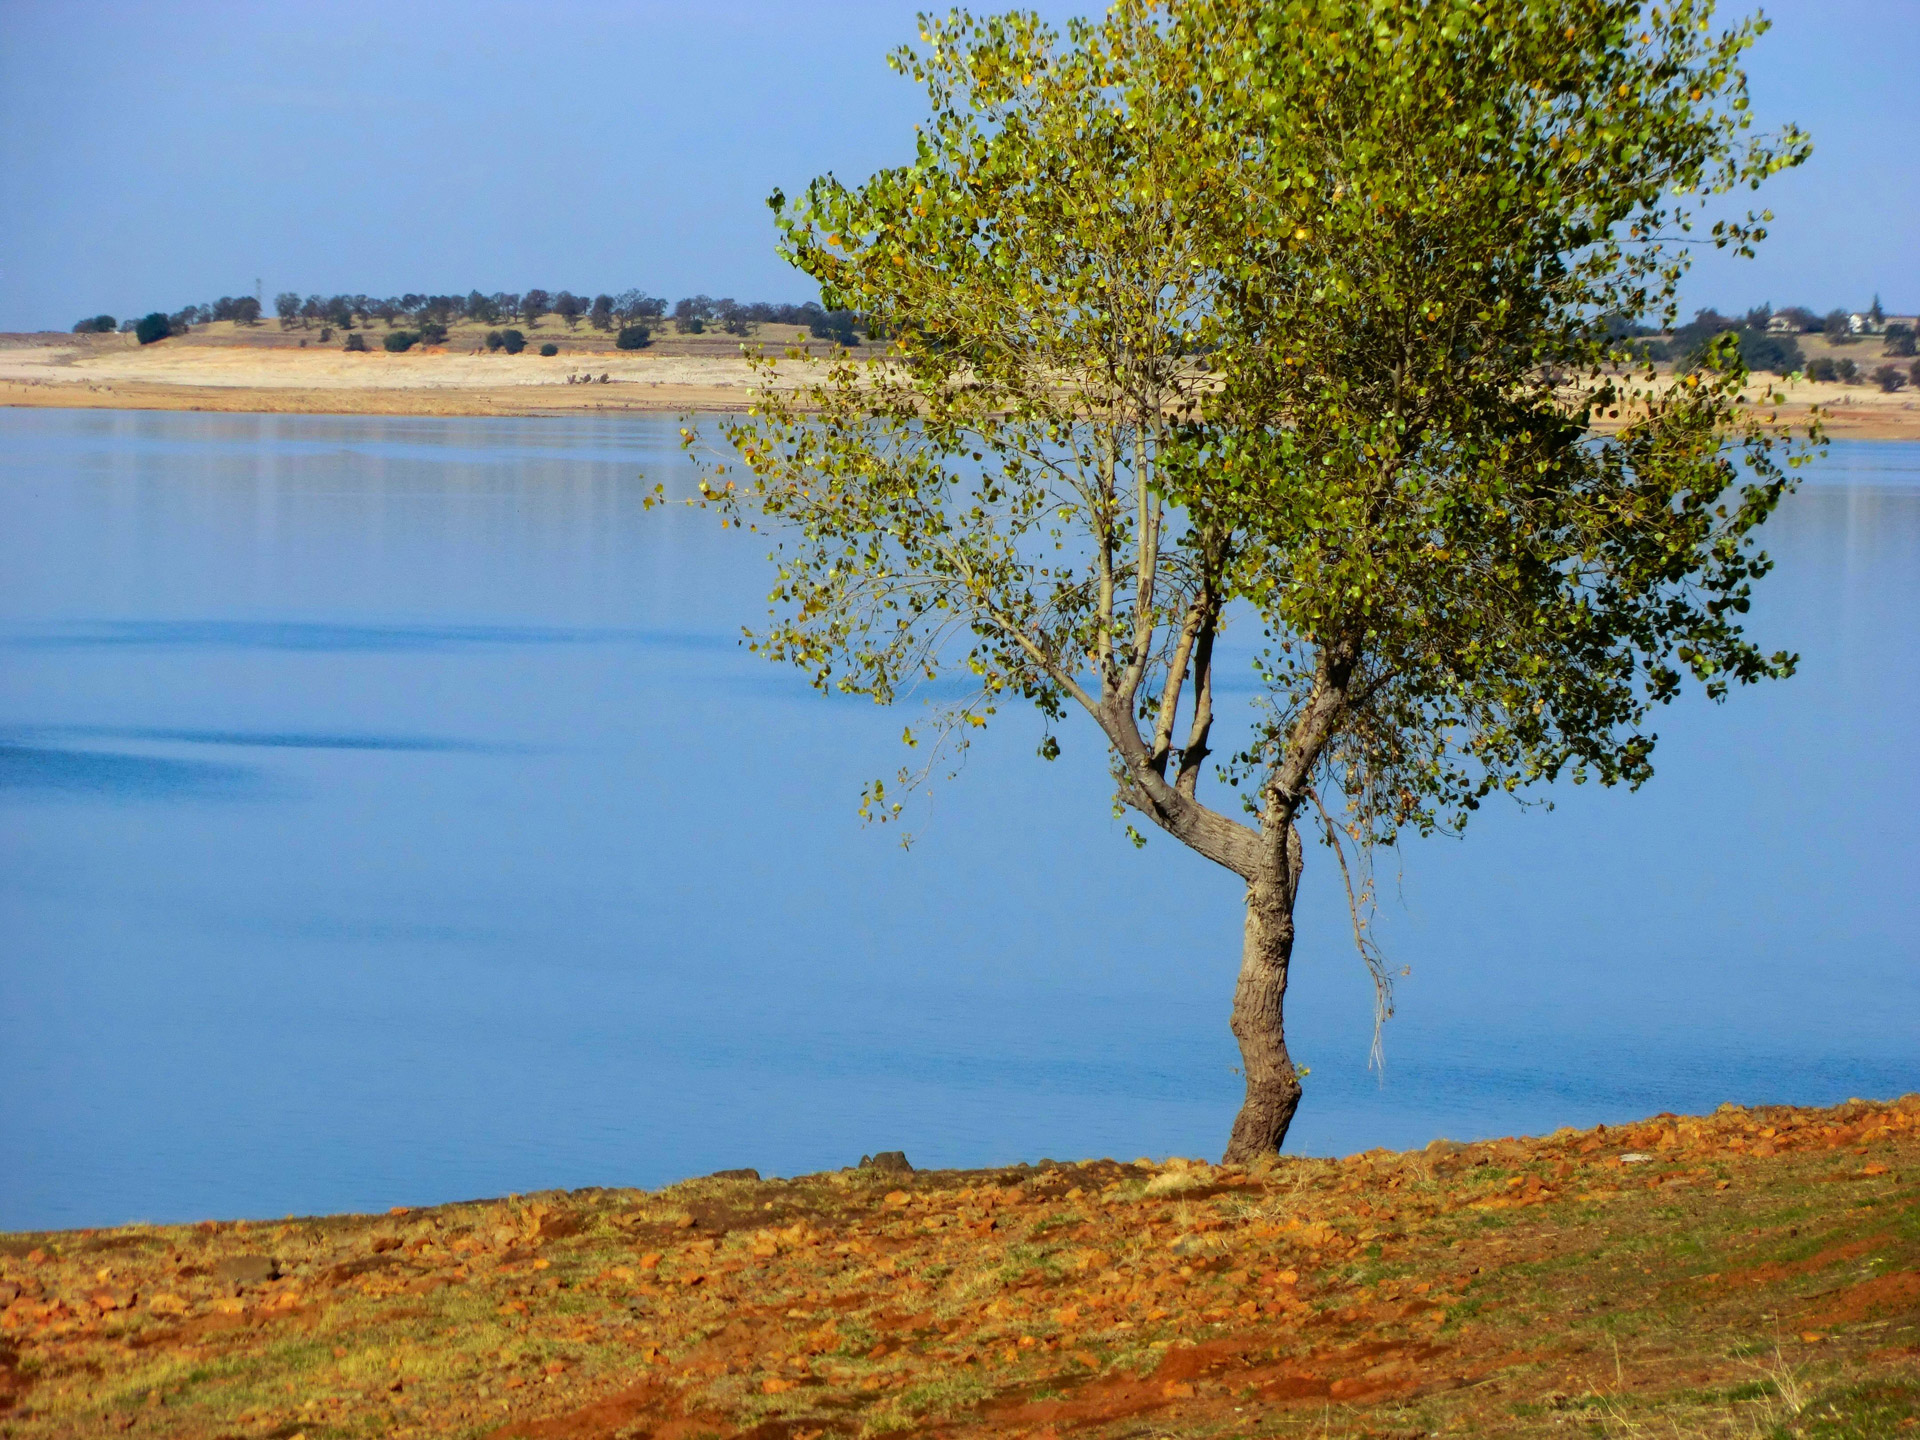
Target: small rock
741, 1174
1635, 1157
887, 1162
246, 1269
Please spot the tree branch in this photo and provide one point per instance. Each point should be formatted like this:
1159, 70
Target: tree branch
1176, 678
1225, 842
1196, 751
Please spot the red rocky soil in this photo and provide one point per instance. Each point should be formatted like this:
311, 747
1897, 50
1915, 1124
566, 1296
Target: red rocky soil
1753, 1272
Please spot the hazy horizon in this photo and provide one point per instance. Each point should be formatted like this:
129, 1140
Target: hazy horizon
155, 158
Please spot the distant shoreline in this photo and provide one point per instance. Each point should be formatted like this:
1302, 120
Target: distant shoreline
660, 399
266, 372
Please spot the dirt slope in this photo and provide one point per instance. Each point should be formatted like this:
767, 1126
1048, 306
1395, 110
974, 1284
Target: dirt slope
1754, 1272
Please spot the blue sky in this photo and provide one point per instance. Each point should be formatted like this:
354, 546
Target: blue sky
154, 155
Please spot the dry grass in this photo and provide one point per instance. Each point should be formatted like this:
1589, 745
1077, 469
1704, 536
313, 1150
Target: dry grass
1760, 1277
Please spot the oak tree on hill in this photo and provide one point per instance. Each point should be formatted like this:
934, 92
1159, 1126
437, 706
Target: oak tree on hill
1290, 314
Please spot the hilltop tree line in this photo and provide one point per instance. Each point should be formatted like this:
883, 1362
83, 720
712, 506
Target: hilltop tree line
1766, 337
632, 314
1768, 340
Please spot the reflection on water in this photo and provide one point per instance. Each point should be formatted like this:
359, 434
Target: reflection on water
388, 814
265, 739
29, 769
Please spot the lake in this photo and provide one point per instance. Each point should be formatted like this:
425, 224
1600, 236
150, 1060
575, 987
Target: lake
389, 815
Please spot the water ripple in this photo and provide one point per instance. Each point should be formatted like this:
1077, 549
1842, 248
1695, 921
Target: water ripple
29, 770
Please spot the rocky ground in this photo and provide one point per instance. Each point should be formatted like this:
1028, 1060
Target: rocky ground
1750, 1273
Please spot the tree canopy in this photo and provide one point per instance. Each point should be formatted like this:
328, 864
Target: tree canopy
1302, 315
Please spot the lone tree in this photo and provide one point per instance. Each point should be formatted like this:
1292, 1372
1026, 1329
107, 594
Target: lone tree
1290, 314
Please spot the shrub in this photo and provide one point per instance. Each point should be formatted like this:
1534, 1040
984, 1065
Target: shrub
1822, 368
399, 340
1759, 349
512, 341
1778, 353
549, 349
356, 342
150, 328
1889, 378
1836, 326
633, 337
433, 334
834, 325
1899, 339
1846, 371
1913, 374
326, 333
97, 325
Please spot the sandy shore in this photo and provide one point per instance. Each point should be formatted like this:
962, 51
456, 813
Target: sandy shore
112, 372
43, 371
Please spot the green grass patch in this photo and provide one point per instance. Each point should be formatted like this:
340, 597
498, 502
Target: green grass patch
1865, 1412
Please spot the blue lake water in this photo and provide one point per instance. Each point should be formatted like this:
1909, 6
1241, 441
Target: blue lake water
388, 815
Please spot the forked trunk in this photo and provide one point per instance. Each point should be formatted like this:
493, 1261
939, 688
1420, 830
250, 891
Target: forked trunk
1273, 1087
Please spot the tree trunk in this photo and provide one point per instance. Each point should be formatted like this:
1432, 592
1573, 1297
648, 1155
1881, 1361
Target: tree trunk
1273, 1087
